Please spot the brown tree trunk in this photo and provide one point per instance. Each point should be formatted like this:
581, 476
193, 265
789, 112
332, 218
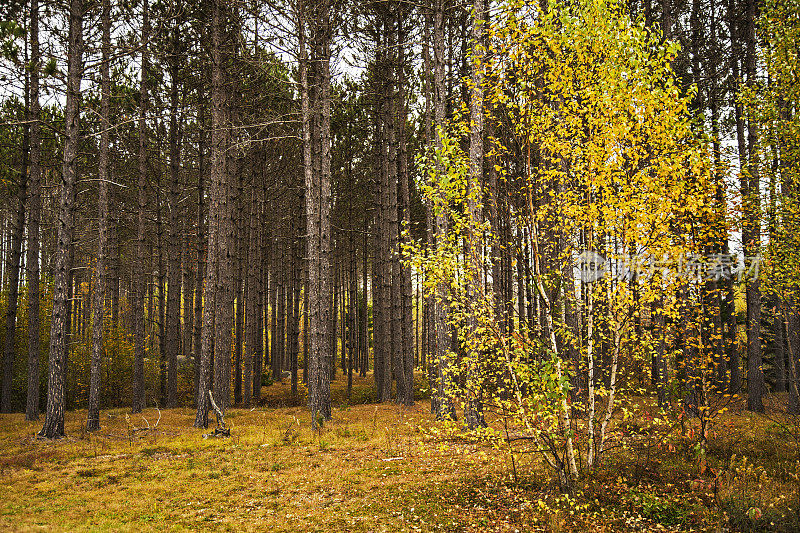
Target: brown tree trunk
446, 409
173, 318
242, 218
34, 215
252, 336
137, 403
99, 296
218, 189
476, 294
226, 230
751, 234
199, 271
54, 419
316, 113
407, 319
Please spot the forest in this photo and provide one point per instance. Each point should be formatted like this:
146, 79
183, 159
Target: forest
315, 265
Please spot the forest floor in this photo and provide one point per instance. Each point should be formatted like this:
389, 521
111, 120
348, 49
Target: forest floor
384, 468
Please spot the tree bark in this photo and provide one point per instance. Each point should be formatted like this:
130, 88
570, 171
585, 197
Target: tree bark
446, 409
173, 318
34, 215
99, 296
137, 403
751, 234
218, 145
54, 419
476, 294
316, 114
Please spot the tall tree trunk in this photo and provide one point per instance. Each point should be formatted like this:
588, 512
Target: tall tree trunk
99, 296
446, 409
402, 156
751, 234
199, 271
317, 161
735, 384
476, 293
34, 215
242, 218
226, 229
173, 318
395, 287
160, 308
252, 337
54, 419
137, 403
218, 146
262, 292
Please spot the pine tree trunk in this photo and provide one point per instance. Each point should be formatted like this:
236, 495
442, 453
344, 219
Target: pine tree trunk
226, 229
242, 218
199, 270
99, 296
218, 147
137, 403
751, 234
476, 295
316, 115
252, 337
34, 216
54, 419
407, 319
446, 409
173, 318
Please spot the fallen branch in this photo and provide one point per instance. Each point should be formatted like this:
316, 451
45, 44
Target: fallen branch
221, 430
220, 415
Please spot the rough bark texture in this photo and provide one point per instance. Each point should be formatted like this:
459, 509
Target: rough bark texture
54, 419
226, 228
173, 318
99, 296
218, 142
316, 115
473, 412
34, 215
405, 198
137, 403
751, 235
199, 271
446, 409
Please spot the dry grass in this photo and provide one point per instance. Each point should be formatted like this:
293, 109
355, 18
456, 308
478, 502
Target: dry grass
372, 468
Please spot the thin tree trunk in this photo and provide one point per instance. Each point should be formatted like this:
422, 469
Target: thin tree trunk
751, 235
137, 403
173, 318
34, 215
199, 271
445, 407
